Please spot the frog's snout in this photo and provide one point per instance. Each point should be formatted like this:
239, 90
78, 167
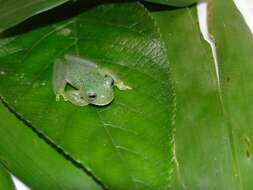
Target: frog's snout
103, 100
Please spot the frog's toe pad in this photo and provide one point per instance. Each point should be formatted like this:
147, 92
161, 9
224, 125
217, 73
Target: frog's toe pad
57, 98
122, 86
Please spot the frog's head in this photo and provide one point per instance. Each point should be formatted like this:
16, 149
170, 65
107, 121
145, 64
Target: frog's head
100, 93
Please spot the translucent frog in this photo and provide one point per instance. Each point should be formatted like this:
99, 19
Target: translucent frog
91, 83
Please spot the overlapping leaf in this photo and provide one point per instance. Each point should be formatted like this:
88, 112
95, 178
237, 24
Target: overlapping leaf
33, 161
13, 12
5, 179
177, 3
203, 149
234, 43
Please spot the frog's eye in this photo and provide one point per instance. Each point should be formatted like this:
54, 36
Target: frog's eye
92, 95
109, 80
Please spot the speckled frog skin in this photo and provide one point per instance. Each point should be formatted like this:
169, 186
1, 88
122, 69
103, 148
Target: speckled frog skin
91, 84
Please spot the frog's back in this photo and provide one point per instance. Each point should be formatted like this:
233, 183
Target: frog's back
84, 62
79, 73
77, 64
74, 68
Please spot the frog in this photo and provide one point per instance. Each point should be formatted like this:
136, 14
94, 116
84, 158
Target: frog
91, 83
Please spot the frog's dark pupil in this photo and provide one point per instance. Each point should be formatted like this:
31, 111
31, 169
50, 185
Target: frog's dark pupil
112, 83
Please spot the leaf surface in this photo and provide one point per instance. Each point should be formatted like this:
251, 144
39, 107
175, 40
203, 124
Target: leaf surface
127, 144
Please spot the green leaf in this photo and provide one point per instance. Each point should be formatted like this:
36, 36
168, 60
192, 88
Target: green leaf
34, 161
13, 12
127, 144
6, 182
177, 3
203, 147
234, 43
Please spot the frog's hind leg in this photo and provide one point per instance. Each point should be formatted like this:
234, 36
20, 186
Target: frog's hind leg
117, 81
75, 98
59, 81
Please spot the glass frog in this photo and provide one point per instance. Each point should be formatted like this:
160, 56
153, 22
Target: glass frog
91, 83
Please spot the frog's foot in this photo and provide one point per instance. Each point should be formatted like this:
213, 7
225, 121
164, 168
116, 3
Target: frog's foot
74, 97
58, 97
121, 86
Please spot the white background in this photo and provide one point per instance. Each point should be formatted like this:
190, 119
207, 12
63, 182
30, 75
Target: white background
245, 6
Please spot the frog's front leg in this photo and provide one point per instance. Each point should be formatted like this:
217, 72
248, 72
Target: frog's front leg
117, 81
59, 81
74, 97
